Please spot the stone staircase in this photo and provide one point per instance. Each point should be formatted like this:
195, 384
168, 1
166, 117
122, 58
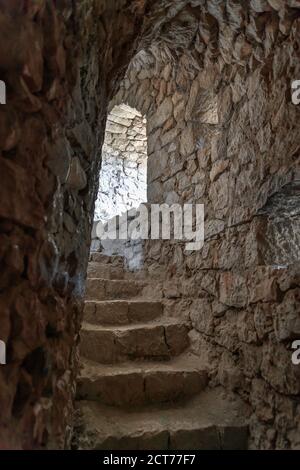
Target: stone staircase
140, 387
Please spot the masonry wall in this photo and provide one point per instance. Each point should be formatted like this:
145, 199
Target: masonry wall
55, 61
222, 130
213, 79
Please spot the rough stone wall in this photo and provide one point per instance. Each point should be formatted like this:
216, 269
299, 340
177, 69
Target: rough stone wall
61, 62
215, 87
122, 181
222, 130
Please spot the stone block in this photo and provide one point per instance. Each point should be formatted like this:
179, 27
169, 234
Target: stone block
23, 206
76, 178
233, 290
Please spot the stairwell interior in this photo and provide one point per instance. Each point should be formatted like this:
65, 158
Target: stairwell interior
140, 387
146, 345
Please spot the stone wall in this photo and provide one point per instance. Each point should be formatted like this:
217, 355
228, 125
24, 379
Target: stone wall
56, 60
222, 130
122, 181
213, 78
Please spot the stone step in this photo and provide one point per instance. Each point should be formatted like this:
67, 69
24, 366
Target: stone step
109, 345
114, 260
107, 289
207, 422
107, 271
121, 312
104, 271
139, 383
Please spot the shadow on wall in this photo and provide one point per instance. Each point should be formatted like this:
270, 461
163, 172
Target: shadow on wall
279, 227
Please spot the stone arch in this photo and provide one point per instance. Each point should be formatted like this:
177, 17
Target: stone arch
147, 86
122, 180
123, 172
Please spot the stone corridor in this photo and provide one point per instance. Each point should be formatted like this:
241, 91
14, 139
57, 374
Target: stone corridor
154, 347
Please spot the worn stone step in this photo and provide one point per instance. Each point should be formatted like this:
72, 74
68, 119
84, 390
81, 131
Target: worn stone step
114, 260
107, 289
109, 345
107, 271
121, 312
207, 422
104, 271
140, 383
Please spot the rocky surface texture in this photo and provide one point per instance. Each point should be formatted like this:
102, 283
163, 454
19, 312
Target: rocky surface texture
223, 131
123, 175
140, 387
213, 79
60, 62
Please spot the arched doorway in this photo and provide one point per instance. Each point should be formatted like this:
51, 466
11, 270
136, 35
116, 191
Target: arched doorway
123, 175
